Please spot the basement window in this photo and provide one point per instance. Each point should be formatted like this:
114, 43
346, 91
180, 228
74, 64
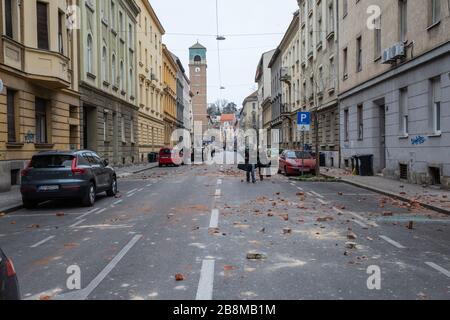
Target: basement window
403, 171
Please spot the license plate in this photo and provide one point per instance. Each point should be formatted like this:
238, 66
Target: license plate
48, 188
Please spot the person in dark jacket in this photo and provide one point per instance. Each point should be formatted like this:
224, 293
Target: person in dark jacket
251, 167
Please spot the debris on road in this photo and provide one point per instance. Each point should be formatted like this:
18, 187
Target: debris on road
287, 231
325, 219
179, 277
410, 225
350, 245
255, 256
351, 236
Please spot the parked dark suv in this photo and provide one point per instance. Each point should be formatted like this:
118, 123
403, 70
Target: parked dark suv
9, 286
66, 175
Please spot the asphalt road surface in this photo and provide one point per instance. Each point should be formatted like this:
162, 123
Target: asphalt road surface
227, 239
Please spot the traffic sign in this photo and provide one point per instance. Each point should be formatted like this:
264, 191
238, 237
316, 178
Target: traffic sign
304, 121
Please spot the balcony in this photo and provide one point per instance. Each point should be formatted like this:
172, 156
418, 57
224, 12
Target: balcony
285, 109
285, 76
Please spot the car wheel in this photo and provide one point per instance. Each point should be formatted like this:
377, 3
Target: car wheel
113, 188
29, 204
286, 172
89, 197
279, 171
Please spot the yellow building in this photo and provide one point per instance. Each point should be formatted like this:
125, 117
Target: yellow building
170, 97
39, 104
150, 87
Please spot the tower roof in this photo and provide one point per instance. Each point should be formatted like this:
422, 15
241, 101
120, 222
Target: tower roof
197, 46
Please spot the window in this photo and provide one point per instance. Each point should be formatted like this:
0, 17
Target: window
345, 57
436, 105
113, 70
132, 130
130, 35
105, 126
11, 115
345, 8
377, 40
360, 122
104, 64
9, 18
435, 11
113, 15
121, 23
122, 128
346, 124
122, 76
403, 107
61, 20
403, 19
41, 120
42, 25
89, 54
359, 54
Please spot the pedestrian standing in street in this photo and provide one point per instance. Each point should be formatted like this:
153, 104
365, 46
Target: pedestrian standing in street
251, 167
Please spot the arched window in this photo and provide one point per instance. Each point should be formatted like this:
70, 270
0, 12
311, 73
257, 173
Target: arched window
104, 64
113, 70
89, 54
122, 75
197, 59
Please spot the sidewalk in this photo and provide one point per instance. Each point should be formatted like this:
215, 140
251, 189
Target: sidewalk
427, 197
12, 200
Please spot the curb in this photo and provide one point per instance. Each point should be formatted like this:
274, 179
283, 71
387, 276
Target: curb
392, 195
12, 209
126, 174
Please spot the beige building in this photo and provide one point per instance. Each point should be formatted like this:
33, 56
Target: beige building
248, 118
108, 76
319, 69
395, 87
39, 105
150, 86
290, 88
170, 69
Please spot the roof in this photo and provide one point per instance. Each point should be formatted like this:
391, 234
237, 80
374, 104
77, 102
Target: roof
252, 97
228, 118
197, 46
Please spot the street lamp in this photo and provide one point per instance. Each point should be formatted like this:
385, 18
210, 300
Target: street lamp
220, 38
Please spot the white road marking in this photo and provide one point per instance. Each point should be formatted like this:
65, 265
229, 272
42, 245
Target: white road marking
363, 225
214, 223
77, 223
149, 185
130, 195
338, 210
82, 216
317, 194
219, 182
218, 193
206, 283
141, 189
371, 223
131, 191
42, 242
299, 188
394, 243
438, 268
322, 202
117, 202
101, 211
84, 293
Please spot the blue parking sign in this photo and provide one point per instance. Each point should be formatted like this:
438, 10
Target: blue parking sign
304, 121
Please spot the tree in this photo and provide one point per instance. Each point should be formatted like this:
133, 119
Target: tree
230, 108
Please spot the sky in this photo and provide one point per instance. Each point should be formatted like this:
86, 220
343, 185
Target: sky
187, 21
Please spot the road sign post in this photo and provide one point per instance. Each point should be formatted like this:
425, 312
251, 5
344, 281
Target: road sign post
304, 125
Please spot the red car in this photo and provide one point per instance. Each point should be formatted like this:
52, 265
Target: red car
169, 157
291, 162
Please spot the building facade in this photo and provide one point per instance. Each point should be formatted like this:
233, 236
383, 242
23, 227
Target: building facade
108, 77
290, 87
395, 88
198, 74
319, 75
150, 88
277, 97
264, 80
180, 92
39, 104
248, 118
170, 69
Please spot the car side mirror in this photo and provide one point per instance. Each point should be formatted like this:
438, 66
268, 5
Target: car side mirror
105, 163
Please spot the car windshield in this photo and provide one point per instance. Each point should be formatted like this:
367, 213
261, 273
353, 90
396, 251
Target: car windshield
51, 161
298, 155
166, 151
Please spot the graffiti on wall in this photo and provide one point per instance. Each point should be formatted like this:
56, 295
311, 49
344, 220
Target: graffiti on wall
418, 140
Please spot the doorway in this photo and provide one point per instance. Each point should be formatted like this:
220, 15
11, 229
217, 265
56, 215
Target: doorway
89, 128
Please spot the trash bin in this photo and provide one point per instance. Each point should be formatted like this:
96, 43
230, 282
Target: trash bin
323, 161
366, 165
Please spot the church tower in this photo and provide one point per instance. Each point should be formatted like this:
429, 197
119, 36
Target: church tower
198, 76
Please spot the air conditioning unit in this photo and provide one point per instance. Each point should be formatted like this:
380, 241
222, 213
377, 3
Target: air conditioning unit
399, 50
392, 54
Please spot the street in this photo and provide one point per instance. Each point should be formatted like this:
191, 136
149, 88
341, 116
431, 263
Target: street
224, 239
